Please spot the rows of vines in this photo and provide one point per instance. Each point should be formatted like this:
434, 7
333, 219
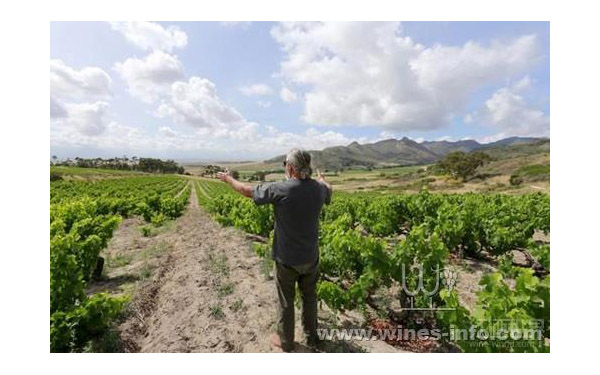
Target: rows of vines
368, 241
83, 217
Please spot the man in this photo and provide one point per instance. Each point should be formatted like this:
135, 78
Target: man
297, 203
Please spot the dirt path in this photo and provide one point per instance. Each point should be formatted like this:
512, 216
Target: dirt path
207, 296
199, 287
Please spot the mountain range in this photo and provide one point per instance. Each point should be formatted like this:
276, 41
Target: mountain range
404, 151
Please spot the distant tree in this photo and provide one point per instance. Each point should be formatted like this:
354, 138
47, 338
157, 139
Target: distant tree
235, 174
257, 176
515, 180
463, 165
158, 166
211, 170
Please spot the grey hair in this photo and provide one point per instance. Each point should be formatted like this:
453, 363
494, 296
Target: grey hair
300, 159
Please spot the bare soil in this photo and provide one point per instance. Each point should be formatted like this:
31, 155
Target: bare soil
207, 291
206, 296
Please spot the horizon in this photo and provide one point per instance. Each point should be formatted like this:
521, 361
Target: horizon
241, 161
214, 90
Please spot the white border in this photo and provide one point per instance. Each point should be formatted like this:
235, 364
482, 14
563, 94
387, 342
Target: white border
25, 150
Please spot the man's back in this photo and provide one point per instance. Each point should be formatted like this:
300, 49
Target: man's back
297, 204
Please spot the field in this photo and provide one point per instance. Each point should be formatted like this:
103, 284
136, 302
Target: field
187, 268
76, 173
83, 217
534, 168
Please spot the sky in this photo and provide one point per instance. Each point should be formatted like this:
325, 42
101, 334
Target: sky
253, 90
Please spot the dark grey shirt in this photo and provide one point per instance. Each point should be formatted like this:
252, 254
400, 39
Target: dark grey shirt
297, 205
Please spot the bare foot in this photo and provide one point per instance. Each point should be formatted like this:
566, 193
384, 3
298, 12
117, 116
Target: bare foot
276, 342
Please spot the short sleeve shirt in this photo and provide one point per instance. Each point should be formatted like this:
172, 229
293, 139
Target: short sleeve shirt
297, 205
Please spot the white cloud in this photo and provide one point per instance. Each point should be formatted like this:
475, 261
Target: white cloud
288, 95
508, 111
369, 74
258, 89
119, 139
150, 77
387, 135
89, 83
449, 69
278, 141
247, 132
491, 138
77, 98
151, 35
215, 128
116, 138
196, 103
166, 131
89, 119
523, 84
249, 141
57, 108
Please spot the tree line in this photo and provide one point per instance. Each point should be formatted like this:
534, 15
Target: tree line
149, 165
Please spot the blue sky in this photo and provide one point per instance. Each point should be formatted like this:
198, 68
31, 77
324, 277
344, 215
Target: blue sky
212, 90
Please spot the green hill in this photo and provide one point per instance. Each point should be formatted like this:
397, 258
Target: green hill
405, 151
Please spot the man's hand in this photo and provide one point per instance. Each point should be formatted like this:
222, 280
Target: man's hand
244, 189
321, 179
224, 176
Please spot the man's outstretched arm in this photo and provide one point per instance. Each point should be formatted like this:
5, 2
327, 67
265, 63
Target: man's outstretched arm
240, 187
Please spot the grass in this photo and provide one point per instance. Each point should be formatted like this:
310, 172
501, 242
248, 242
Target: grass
122, 271
218, 264
216, 311
237, 305
146, 271
496, 187
151, 230
119, 260
534, 170
266, 267
264, 253
155, 250
225, 289
365, 175
147, 230
530, 173
89, 172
